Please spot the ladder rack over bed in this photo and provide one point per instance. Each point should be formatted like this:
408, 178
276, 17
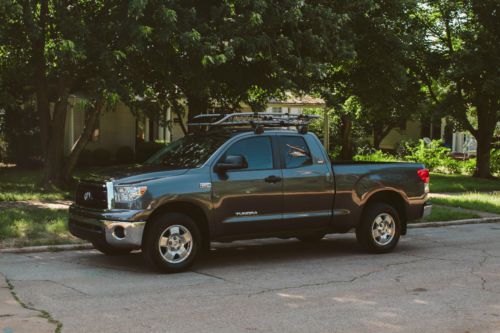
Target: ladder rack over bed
257, 120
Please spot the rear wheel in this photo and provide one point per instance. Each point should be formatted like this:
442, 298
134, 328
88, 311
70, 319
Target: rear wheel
380, 228
110, 250
172, 242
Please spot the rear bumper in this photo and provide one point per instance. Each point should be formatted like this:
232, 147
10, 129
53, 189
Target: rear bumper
95, 227
427, 209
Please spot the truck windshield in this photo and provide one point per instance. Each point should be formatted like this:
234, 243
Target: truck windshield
188, 152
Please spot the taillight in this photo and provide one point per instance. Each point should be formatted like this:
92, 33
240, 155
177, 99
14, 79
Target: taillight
424, 175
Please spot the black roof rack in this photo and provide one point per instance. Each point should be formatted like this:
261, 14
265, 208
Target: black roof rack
257, 120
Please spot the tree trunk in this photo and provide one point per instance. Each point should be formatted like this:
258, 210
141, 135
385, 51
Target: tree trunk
379, 134
181, 122
486, 123
54, 159
346, 152
90, 125
197, 104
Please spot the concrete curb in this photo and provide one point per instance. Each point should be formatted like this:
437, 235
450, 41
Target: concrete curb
417, 225
88, 246
48, 248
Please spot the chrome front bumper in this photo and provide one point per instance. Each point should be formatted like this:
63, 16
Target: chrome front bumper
115, 233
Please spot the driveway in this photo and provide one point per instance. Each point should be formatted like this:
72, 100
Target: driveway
438, 279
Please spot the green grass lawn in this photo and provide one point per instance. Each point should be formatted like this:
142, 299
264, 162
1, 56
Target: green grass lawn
34, 226
18, 185
459, 183
487, 202
447, 214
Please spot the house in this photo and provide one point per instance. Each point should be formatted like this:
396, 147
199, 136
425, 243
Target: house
121, 128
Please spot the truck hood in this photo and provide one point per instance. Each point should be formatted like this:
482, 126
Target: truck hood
131, 174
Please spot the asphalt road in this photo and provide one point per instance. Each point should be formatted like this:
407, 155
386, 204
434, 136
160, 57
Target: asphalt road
438, 279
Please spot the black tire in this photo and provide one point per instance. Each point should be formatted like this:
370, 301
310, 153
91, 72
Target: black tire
155, 254
311, 238
364, 232
110, 250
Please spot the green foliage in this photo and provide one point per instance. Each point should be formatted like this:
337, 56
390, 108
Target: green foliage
495, 161
101, 157
447, 214
376, 156
488, 202
34, 226
16, 185
431, 154
85, 159
124, 155
145, 150
461, 183
22, 137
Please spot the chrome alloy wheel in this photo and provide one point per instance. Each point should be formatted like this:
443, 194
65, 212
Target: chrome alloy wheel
175, 244
383, 229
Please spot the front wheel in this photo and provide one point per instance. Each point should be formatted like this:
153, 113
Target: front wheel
172, 242
380, 228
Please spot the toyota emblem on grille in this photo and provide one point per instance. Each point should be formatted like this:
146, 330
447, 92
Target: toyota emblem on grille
87, 196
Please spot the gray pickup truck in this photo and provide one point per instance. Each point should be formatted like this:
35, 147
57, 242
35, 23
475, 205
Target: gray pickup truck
232, 182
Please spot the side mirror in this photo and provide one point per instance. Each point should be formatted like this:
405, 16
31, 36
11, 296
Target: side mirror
231, 162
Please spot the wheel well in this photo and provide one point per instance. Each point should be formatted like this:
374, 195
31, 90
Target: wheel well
395, 200
187, 208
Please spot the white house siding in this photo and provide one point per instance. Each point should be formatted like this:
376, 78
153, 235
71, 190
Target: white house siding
116, 128
412, 131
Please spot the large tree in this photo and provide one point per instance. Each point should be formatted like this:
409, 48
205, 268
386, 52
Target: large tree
58, 48
458, 62
380, 91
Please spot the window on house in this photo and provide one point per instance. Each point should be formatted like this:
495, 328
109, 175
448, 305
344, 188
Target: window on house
276, 110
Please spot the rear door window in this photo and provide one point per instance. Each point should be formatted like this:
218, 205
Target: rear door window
294, 152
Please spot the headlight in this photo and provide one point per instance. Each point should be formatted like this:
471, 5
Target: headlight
124, 194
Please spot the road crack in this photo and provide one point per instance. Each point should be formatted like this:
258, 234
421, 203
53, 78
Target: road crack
42, 313
351, 280
56, 283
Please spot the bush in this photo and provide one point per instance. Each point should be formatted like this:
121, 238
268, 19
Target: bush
495, 161
448, 165
124, 155
376, 156
468, 166
145, 150
432, 154
101, 157
22, 137
85, 159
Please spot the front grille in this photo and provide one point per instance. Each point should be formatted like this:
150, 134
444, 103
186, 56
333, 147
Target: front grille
92, 195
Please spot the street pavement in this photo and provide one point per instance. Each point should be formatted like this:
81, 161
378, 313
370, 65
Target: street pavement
438, 280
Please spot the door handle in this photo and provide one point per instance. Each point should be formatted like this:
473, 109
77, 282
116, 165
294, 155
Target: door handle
272, 179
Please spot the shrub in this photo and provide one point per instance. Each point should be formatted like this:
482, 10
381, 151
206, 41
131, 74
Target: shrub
85, 159
145, 150
101, 157
124, 155
432, 154
376, 156
468, 166
449, 165
495, 161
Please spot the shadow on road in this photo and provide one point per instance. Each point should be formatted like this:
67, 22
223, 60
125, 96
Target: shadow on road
263, 252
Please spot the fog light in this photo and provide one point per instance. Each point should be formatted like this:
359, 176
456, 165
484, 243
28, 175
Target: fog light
119, 232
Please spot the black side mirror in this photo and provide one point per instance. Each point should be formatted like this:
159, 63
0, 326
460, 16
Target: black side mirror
231, 162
